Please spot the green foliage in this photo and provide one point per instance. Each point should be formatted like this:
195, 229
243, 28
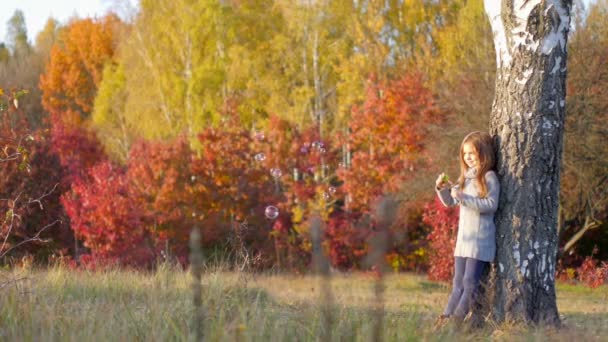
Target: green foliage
176, 55
113, 127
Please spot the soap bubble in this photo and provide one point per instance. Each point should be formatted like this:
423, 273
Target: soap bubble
259, 136
332, 190
326, 196
318, 145
276, 173
271, 212
259, 157
303, 149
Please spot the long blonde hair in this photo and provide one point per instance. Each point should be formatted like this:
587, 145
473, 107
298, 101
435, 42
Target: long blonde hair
484, 146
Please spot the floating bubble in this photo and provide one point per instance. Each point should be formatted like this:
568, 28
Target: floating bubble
318, 145
341, 165
271, 212
259, 136
260, 157
303, 149
310, 169
326, 196
331, 190
275, 172
322, 150
193, 178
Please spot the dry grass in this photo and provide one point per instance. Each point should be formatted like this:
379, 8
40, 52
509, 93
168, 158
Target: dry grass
58, 304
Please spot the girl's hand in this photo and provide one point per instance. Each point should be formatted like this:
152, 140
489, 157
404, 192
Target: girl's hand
442, 181
456, 193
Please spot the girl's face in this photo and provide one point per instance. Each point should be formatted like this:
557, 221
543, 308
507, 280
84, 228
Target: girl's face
470, 155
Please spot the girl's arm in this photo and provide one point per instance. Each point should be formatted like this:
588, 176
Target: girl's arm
445, 196
489, 204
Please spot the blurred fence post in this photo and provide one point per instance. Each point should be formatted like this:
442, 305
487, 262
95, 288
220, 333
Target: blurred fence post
196, 267
385, 213
321, 268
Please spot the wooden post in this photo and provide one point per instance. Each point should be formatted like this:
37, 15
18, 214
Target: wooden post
321, 268
196, 267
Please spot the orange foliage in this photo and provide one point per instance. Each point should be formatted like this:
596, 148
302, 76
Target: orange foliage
386, 137
75, 67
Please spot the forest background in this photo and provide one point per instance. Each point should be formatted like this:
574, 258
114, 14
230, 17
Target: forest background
248, 118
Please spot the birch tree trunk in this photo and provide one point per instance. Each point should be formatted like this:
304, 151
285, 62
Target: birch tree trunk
527, 122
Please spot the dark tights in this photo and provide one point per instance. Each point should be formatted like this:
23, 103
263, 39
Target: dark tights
467, 272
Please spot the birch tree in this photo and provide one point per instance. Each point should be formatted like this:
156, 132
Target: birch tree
527, 122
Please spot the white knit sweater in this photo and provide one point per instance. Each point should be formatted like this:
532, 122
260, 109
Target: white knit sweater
476, 230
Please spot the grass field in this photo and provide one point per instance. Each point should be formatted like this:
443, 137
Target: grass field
59, 304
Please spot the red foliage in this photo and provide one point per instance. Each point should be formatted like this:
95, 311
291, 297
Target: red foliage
78, 150
346, 242
104, 216
306, 187
592, 275
33, 221
160, 180
233, 188
69, 86
442, 239
386, 138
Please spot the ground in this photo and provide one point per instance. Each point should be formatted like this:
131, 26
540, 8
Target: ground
68, 305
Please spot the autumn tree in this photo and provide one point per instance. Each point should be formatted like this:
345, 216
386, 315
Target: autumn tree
585, 184
161, 183
104, 216
386, 138
21, 69
461, 72
112, 124
32, 217
527, 121
69, 86
176, 53
75, 68
17, 35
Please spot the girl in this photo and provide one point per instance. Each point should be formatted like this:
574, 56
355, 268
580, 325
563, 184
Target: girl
477, 193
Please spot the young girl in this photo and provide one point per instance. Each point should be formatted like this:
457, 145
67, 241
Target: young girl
477, 193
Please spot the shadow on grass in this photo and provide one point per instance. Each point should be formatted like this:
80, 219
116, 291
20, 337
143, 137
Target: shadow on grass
428, 286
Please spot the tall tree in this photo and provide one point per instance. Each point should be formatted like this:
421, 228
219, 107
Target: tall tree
74, 71
527, 121
69, 86
585, 171
46, 38
22, 68
17, 34
113, 127
176, 56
